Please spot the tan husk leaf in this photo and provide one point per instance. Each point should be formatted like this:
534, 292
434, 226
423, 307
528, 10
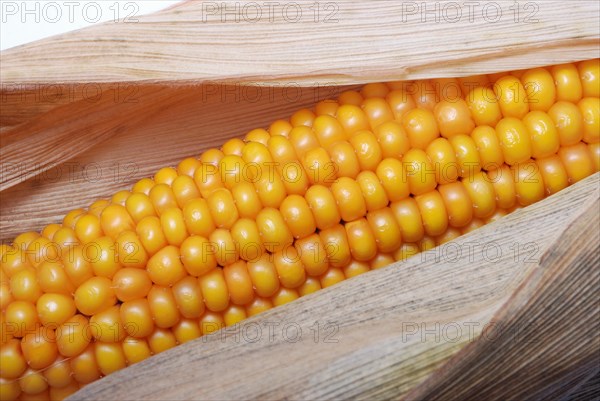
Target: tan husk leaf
185, 85
347, 42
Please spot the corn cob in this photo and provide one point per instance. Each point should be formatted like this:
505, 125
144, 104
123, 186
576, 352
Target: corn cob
374, 177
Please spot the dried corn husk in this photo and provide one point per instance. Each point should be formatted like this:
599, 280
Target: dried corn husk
178, 85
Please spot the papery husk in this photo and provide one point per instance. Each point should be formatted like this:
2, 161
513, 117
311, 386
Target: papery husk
177, 86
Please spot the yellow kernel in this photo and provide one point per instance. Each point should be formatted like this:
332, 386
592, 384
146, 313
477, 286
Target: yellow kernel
529, 184
419, 172
514, 140
198, 255
313, 254
406, 251
484, 106
136, 350
130, 283
458, 204
443, 158
433, 213
568, 84
130, 250
393, 139
106, 326
482, 194
165, 267
247, 241
578, 162
349, 198
277, 128
137, 318
400, 102
264, 277
233, 146
225, 249
143, 186
24, 285
332, 277
303, 117
239, 283
353, 119
95, 295
110, 357
284, 296
328, 130
378, 111
590, 111
512, 97
184, 189
467, 155
589, 73
51, 277
421, 127
568, 121
545, 140
55, 308
88, 228
120, 198
188, 166
312, 284
165, 175
345, 160
207, 178
453, 118
540, 88
222, 208
163, 306
390, 173
504, 186
386, 230
73, 336
39, 348
211, 322
381, 260
102, 253
197, 217
372, 191
356, 268
289, 267
275, 233
408, 216
488, 147
215, 291
150, 233
553, 174
362, 242
337, 247
13, 362
84, 366
298, 217
115, 219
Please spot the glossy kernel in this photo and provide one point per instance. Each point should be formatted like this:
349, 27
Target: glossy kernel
514, 140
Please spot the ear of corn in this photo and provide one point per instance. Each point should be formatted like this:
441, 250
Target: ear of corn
374, 177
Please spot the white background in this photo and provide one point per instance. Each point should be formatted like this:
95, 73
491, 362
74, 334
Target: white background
23, 21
